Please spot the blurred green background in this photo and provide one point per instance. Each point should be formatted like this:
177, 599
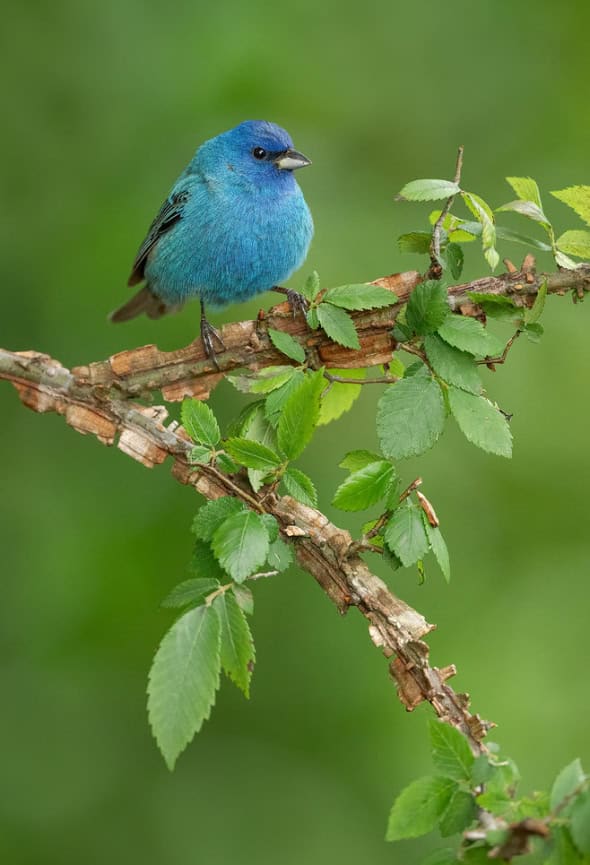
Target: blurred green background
103, 105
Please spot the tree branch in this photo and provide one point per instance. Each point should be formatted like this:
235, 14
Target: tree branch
321, 548
188, 372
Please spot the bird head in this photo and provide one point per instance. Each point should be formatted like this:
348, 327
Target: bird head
256, 152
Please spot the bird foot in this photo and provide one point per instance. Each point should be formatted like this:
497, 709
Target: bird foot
297, 302
208, 334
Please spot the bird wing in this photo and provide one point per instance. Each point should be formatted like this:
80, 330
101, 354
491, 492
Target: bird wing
168, 215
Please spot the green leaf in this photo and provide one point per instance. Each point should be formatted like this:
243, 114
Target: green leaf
514, 237
580, 827
469, 334
578, 198
203, 563
575, 243
362, 296
527, 208
460, 813
183, 680
340, 397
484, 214
276, 400
428, 190
355, 460
526, 189
252, 454
279, 556
237, 645
311, 286
415, 241
271, 378
455, 259
481, 423
272, 526
226, 464
243, 596
427, 307
312, 319
300, 415
410, 417
417, 809
438, 547
492, 299
200, 422
200, 454
190, 592
285, 343
212, 514
562, 260
404, 534
570, 778
241, 545
259, 429
450, 751
534, 314
365, 487
563, 849
300, 487
452, 365
338, 325
481, 770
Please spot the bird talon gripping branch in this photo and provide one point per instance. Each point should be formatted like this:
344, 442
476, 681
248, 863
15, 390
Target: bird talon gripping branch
234, 225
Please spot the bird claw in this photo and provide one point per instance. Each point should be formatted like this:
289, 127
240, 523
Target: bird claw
297, 302
208, 334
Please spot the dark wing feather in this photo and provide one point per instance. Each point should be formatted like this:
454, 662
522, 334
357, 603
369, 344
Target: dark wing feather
169, 214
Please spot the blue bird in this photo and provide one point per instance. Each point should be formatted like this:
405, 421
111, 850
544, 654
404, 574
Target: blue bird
235, 224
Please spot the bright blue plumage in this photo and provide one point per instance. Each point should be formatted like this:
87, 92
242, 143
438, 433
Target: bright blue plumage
235, 224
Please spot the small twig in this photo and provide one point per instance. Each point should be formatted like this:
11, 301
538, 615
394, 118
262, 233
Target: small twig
491, 361
435, 271
382, 379
417, 352
414, 485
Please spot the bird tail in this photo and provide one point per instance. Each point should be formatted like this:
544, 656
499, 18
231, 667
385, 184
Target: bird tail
143, 301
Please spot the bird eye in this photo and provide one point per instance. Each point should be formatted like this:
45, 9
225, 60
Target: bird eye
259, 153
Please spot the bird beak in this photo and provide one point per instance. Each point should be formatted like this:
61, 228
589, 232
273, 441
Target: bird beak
289, 160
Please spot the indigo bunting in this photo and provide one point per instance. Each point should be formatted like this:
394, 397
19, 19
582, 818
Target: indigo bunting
235, 224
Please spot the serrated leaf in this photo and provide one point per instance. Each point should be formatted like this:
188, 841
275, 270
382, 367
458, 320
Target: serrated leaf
415, 241
203, 563
575, 243
417, 809
300, 487
183, 680
439, 548
212, 514
484, 214
526, 208
272, 526
452, 365
285, 343
515, 237
355, 460
410, 417
526, 189
480, 422
576, 197
241, 545
455, 259
580, 825
244, 598
200, 422
362, 296
404, 534
252, 454
200, 454
427, 307
300, 414
275, 401
237, 645
460, 813
428, 189
563, 849
491, 299
271, 378
562, 260
534, 313
340, 397
311, 287
338, 325
259, 429
450, 751
481, 770
190, 592
468, 334
365, 487
311, 316
279, 556
568, 780
226, 464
